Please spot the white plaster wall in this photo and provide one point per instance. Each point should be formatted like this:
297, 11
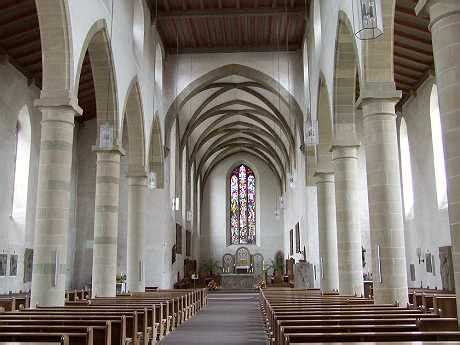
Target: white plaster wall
214, 217
429, 229
14, 237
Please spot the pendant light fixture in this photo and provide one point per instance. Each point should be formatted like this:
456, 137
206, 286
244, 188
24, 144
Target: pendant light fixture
368, 19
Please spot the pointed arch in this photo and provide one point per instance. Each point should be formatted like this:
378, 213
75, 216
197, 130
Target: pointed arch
346, 75
156, 156
133, 114
97, 44
57, 55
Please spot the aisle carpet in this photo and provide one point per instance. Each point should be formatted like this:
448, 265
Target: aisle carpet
229, 318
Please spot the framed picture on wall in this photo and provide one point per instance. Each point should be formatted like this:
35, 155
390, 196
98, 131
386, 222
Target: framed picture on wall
173, 254
429, 266
28, 261
412, 272
3, 263
297, 238
178, 239
188, 243
291, 242
13, 265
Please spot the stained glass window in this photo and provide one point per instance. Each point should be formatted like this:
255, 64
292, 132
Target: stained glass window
242, 206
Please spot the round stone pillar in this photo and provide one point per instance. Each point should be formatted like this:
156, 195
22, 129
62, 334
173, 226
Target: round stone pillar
345, 160
136, 203
385, 204
53, 202
445, 31
106, 223
327, 227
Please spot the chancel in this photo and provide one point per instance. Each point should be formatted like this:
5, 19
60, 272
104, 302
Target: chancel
229, 171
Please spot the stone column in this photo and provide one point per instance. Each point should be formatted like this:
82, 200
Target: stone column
327, 227
136, 203
106, 222
345, 160
378, 102
445, 30
53, 202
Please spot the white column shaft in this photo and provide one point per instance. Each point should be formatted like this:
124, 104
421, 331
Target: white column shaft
445, 29
106, 224
385, 205
327, 227
345, 159
53, 202
136, 204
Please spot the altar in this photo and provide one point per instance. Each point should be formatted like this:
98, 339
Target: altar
237, 281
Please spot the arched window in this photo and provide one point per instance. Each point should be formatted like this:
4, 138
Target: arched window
438, 149
306, 76
242, 205
159, 68
406, 171
21, 172
138, 30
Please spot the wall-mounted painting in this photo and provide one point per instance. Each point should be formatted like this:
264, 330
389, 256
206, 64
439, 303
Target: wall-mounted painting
28, 262
188, 243
178, 239
291, 242
297, 238
13, 265
3, 263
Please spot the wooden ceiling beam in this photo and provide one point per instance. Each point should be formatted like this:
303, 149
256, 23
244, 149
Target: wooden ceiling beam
19, 19
410, 66
166, 5
18, 34
411, 37
204, 50
428, 53
232, 12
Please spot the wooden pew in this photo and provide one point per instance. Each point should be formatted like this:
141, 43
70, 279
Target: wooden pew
66, 339
116, 326
298, 316
371, 337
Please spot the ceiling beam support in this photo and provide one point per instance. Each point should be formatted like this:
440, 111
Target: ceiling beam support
233, 12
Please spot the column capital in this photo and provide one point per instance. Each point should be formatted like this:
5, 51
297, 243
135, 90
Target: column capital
437, 9
344, 151
377, 92
137, 180
323, 176
60, 102
113, 149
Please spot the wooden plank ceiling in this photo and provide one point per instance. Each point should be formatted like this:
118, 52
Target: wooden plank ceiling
217, 26
413, 51
203, 26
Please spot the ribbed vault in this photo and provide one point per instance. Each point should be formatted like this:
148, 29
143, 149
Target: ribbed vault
236, 109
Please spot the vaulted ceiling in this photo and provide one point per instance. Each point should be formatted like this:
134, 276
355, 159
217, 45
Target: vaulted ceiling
191, 26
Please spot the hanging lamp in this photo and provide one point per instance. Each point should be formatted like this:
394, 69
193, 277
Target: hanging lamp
368, 19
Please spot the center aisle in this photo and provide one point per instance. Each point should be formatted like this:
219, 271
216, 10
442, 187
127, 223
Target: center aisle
229, 318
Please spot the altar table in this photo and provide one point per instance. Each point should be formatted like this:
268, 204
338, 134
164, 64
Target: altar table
237, 281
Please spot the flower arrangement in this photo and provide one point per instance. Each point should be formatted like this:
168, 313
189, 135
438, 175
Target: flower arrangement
212, 285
